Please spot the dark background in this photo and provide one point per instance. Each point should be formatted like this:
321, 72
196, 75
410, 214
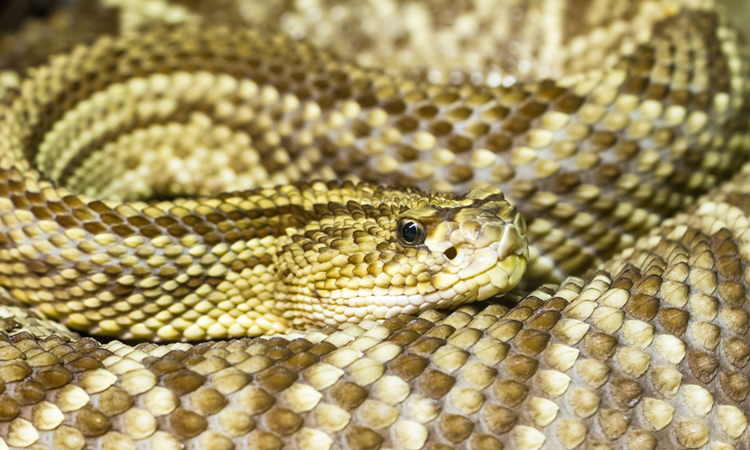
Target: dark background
12, 12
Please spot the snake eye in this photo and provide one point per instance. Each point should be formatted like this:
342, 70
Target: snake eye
411, 233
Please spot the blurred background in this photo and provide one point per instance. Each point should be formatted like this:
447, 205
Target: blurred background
402, 40
742, 18
12, 12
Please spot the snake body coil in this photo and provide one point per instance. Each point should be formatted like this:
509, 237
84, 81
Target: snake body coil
137, 201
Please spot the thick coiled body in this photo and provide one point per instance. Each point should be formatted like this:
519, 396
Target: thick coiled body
117, 155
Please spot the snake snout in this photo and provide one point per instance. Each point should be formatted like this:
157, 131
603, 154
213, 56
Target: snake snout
507, 237
514, 240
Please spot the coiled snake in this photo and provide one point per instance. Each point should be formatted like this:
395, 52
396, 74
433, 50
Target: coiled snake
260, 174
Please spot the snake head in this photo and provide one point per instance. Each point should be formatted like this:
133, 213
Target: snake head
476, 246
378, 252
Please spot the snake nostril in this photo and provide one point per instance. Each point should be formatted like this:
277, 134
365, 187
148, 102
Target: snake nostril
451, 253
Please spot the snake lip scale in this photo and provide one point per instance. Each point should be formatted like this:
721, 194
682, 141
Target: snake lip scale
287, 225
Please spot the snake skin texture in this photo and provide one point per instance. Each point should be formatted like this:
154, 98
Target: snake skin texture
650, 353
117, 156
593, 159
584, 157
199, 109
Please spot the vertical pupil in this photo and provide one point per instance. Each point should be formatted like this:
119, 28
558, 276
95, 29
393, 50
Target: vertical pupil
409, 232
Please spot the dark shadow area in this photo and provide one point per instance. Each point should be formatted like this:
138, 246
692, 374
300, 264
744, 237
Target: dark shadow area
14, 12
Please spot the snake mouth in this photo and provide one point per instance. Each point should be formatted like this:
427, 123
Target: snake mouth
449, 292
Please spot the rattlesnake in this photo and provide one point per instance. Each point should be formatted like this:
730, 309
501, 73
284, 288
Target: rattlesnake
131, 209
